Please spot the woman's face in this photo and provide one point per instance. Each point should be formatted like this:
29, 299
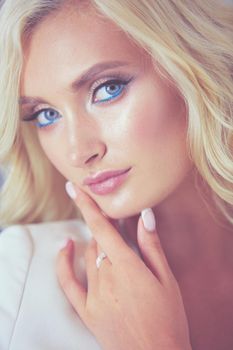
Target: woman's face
121, 116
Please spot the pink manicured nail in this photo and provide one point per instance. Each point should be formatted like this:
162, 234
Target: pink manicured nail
69, 244
63, 244
148, 219
70, 190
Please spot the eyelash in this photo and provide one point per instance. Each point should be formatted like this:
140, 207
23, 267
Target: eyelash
118, 79
97, 86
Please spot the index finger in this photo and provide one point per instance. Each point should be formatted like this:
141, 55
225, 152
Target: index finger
103, 231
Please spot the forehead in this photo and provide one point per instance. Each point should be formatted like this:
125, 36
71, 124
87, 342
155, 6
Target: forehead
72, 39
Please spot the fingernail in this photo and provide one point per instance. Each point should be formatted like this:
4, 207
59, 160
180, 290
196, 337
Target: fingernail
63, 244
148, 219
69, 245
70, 190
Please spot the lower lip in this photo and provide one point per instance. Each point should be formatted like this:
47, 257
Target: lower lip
109, 185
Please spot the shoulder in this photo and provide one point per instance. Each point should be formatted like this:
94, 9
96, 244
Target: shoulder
24, 242
32, 305
25, 245
75, 229
15, 257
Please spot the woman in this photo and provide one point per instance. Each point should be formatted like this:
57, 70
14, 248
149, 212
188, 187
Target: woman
131, 103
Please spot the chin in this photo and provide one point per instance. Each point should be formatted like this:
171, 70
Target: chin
125, 204
122, 212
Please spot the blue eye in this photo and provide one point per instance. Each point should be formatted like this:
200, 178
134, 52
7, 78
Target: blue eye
44, 117
109, 90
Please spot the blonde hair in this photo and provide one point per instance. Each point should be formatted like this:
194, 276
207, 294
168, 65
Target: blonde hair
190, 40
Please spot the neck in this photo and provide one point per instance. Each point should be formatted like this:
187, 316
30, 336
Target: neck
191, 229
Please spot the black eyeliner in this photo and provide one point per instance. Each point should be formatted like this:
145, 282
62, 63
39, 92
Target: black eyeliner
34, 115
117, 80
113, 81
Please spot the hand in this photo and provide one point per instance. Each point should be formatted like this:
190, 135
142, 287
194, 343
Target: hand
129, 303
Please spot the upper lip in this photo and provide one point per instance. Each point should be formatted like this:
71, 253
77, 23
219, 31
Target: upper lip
103, 175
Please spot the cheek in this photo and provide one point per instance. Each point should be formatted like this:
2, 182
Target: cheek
159, 124
54, 151
146, 130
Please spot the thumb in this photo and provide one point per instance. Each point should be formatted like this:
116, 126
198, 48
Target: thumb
150, 245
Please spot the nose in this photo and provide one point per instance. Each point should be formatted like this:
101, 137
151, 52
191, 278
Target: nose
85, 146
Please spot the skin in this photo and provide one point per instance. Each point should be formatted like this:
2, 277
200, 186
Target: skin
144, 128
149, 117
118, 307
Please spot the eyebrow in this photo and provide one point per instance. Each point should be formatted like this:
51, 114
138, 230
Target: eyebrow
88, 75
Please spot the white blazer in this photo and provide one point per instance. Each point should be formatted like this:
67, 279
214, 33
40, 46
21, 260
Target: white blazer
34, 312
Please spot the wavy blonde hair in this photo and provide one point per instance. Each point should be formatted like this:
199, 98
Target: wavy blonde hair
191, 41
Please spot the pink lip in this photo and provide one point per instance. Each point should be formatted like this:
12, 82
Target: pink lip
106, 181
